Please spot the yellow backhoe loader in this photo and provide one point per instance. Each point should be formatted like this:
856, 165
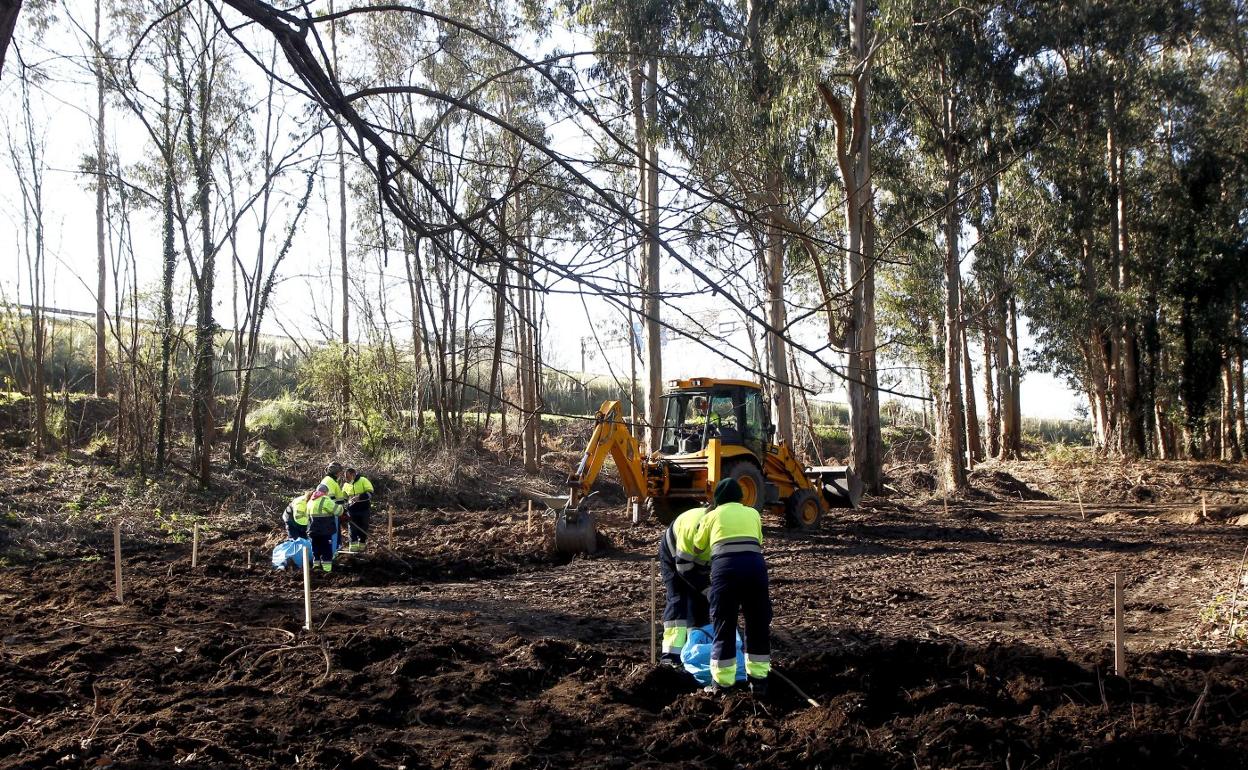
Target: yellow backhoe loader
713, 429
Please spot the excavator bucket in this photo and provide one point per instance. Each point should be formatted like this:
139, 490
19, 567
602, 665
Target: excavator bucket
841, 487
575, 531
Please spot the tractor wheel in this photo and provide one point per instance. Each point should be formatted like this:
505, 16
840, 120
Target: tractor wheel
803, 510
750, 478
575, 533
661, 510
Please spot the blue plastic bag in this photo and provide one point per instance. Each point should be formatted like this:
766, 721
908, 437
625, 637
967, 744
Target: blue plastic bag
696, 654
290, 550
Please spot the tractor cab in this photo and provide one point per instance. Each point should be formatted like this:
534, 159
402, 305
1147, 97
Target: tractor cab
701, 409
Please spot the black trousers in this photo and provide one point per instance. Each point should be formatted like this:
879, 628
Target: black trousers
321, 531
739, 586
359, 515
687, 606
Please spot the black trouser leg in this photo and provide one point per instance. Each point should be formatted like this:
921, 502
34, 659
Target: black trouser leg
321, 531
725, 604
360, 514
676, 608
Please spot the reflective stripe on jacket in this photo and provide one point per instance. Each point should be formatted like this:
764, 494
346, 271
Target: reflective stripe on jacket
729, 528
322, 507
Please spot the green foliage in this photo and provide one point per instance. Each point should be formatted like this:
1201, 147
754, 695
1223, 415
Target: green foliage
266, 454
281, 420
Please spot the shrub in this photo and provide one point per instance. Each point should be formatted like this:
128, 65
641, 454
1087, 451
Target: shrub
280, 420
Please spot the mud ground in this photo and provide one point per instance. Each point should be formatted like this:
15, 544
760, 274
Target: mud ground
973, 637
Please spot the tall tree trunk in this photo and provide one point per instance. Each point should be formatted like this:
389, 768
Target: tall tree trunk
952, 470
975, 448
342, 255
637, 92
654, 342
101, 186
1131, 438
1016, 376
776, 316
1241, 423
1229, 441
205, 325
854, 157
166, 294
992, 424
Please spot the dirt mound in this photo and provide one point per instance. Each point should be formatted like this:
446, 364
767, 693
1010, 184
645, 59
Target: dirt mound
911, 481
1002, 485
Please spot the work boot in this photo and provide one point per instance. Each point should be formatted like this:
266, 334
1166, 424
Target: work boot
328, 566
355, 548
670, 659
758, 687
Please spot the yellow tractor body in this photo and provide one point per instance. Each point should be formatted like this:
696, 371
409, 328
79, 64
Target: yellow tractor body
713, 429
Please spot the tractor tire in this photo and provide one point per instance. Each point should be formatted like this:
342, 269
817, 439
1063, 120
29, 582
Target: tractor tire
576, 534
661, 510
753, 488
803, 510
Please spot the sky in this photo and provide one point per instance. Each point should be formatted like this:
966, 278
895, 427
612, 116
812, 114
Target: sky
305, 301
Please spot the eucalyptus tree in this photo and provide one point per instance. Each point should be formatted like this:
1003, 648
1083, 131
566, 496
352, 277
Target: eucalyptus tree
946, 65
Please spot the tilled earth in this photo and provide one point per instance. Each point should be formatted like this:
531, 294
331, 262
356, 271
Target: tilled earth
973, 637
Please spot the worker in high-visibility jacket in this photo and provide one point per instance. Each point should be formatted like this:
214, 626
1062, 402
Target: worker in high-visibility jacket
733, 535
295, 517
330, 484
322, 528
686, 574
359, 493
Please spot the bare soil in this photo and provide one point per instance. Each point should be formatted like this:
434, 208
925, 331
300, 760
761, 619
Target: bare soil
973, 637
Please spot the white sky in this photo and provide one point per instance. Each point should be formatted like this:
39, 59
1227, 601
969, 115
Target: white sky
304, 303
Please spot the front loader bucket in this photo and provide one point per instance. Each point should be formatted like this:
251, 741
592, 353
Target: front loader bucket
840, 485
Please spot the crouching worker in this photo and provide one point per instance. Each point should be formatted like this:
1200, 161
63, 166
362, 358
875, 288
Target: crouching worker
359, 493
733, 535
322, 529
295, 517
686, 574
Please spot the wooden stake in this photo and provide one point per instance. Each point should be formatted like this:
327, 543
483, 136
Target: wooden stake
1120, 648
1239, 578
389, 527
248, 558
307, 589
654, 594
529, 528
1204, 509
945, 492
195, 546
117, 559
1079, 496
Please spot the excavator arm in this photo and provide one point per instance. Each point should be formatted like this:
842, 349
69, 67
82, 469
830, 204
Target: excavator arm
610, 438
574, 529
